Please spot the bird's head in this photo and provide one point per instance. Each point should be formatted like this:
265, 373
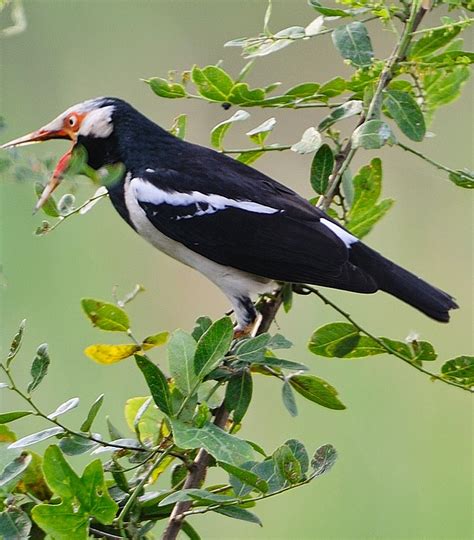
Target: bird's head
86, 122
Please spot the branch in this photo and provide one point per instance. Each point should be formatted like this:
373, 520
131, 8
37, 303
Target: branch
347, 154
427, 159
382, 344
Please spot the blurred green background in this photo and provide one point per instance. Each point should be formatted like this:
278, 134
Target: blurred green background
405, 443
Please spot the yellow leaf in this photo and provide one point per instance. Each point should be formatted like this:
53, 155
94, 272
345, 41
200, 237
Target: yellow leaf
149, 424
109, 354
158, 471
155, 341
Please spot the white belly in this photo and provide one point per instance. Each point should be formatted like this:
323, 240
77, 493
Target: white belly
234, 283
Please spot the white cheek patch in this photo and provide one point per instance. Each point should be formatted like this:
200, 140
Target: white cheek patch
148, 193
98, 123
343, 235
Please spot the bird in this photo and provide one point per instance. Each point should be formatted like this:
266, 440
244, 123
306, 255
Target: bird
241, 229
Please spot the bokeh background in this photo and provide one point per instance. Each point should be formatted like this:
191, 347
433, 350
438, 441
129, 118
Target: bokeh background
405, 443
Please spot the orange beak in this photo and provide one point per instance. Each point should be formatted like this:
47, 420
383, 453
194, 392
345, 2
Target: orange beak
46, 133
41, 135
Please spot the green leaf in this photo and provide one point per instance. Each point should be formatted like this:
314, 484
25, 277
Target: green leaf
16, 343
243, 476
250, 157
448, 57
321, 169
39, 367
6, 418
460, 370
64, 408
91, 415
279, 342
406, 113
219, 131
241, 94
14, 470
334, 339
253, 349
62, 521
329, 12
299, 451
200, 495
314, 27
463, 179
288, 398
365, 211
157, 384
364, 223
280, 363
238, 513
239, 394
423, 351
146, 421
212, 82
432, 41
202, 324
66, 204
156, 340
398, 346
261, 132
105, 316
106, 354
268, 470
218, 443
303, 90
288, 465
178, 129
82, 498
166, 89
14, 524
74, 445
37, 437
323, 459
212, 346
181, 351
316, 390
353, 43
442, 87
99, 503
372, 135
333, 87
310, 142
346, 110
60, 476
50, 208
190, 531
366, 346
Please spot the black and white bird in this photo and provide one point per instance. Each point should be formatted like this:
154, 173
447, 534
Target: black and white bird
241, 229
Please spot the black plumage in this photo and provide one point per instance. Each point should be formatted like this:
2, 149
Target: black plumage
233, 223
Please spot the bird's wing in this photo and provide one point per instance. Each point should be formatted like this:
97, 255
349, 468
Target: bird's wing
252, 224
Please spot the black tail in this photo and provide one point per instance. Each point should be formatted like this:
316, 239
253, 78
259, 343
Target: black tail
402, 284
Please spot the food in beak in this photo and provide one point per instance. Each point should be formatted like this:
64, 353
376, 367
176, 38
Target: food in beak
56, 178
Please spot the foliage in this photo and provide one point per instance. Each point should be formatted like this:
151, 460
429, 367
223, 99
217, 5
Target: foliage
189, 420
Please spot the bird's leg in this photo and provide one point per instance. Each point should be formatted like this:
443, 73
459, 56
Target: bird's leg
250, 330
247, 317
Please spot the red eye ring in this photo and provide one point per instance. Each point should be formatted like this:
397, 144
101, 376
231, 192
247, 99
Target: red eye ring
72, 120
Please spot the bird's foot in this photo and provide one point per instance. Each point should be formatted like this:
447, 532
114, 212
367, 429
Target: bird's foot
250, 330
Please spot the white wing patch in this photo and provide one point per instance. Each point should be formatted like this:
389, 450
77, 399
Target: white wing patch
204, 203
346, 237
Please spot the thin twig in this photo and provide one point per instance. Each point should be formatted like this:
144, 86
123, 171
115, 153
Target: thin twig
382, 344
427, 159
347, 154
39, 412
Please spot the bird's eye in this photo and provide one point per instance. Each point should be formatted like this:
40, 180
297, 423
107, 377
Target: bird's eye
72, 120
